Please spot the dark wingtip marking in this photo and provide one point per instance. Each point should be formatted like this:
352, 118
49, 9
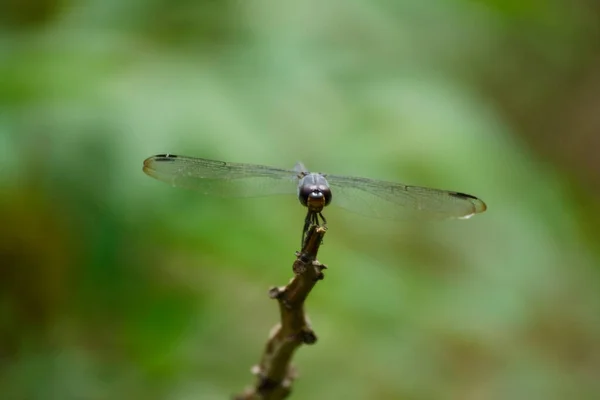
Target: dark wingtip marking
479, 204
463, 195
163, 157
157, 158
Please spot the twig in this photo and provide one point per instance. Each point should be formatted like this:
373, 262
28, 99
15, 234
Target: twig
275, 373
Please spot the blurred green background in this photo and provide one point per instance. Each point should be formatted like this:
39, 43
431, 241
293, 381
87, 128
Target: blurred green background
116, 286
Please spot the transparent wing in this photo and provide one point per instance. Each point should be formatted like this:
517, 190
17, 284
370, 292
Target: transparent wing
218, 178
382, 199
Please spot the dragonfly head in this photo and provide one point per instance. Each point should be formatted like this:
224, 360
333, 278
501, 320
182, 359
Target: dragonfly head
314, 192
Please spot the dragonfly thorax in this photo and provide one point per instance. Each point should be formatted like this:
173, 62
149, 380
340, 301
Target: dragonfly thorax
314, 192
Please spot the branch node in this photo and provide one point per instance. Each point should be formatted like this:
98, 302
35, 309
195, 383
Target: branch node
276, 292
299, 266
308, 336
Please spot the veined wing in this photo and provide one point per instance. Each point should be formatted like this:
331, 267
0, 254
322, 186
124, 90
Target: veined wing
219, 178
382, 199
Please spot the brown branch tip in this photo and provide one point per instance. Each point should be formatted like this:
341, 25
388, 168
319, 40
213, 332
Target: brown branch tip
275, 373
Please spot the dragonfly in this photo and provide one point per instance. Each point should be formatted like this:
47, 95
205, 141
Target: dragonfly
315, 191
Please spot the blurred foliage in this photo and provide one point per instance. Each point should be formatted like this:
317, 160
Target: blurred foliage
114, 286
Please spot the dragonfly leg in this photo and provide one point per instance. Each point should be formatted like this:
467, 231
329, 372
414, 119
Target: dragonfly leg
323, 219
312, 218
307, 222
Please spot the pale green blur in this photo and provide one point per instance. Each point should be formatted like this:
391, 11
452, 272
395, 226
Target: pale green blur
115, 286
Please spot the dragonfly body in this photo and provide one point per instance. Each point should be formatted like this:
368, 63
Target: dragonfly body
365, 196
314, 193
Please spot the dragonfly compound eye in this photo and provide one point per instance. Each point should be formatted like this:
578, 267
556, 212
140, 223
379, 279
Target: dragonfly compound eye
304, 192
327, 193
